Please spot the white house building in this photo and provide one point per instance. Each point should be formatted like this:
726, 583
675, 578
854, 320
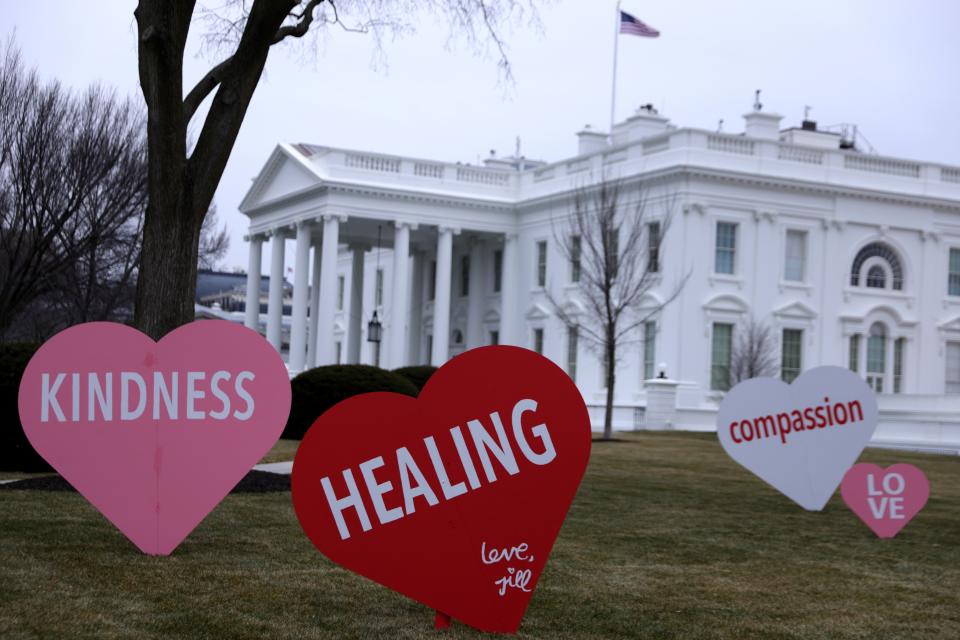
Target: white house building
852, 257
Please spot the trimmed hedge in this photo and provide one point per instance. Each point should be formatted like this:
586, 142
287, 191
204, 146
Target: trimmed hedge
16, 454
316, 390
418, 375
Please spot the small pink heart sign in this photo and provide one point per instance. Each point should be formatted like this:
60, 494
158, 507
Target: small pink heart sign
154, 434
885, 499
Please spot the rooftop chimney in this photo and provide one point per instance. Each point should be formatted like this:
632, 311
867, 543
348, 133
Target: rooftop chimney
762, 125
645, 122
590, 141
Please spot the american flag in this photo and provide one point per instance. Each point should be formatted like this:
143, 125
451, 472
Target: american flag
629, 24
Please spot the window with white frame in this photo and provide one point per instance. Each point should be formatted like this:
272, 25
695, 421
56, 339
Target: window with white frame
465, 275
542, 263
876, 356
649, 349
854, 354
725, 258
572, 340
653, 246
340, 290
794, 268
378, 290
953, 277
575, 256
432, 285
953, 368
497, 270
898, 347
538, 340
877, 266
494, 337
721, 352
339, 349
791, 354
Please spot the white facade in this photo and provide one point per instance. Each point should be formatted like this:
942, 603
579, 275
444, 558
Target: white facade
768, 223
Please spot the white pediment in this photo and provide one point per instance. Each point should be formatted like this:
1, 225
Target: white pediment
286, 172
796, 310
728, 302
573, 308
491, 317
953, 324
537, 312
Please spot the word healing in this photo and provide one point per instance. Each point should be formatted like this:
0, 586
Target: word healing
414, 483
73, 397
796, 421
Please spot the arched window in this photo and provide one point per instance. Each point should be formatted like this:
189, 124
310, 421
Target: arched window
877, 277
876, 356
875, 256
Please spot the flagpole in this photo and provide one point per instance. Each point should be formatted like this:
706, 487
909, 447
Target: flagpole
613, 89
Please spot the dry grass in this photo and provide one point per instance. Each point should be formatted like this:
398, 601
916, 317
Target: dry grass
667, 538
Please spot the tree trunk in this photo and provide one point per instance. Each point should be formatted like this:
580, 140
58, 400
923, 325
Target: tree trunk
611, 379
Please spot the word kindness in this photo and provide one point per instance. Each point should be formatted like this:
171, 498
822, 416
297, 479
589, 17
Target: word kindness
416, 488
796, 421
128, 396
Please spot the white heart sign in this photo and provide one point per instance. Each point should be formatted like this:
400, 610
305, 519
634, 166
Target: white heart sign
800, 438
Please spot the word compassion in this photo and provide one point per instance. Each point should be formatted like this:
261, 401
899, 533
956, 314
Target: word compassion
127, 397
796, 421
414, 483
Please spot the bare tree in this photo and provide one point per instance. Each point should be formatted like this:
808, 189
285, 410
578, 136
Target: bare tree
754, 353
72, 187
616, 253
182, 181
214, 241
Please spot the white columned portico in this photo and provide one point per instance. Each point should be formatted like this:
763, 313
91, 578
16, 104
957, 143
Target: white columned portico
328, 289
416, 308
275, 299
314, 309
399, 314
441, 303
298, 328
355, 330
252, 319
475, 301
509, 291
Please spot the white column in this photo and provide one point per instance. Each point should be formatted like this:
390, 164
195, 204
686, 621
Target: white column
298, 328
400, 296
252, 320
275, 300
326, 351
475, 302
314, 309
355, 330
441, 303
416, 308
509, 292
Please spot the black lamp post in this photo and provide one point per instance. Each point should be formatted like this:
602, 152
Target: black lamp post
374, 327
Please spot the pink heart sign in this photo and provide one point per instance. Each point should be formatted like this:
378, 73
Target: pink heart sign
802, 437
885, 499
154, 434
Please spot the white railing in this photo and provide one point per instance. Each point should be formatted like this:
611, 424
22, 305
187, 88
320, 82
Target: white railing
477, 175
372, 162
728, 144
428, 170
882, 165
800, 154
615, 156
656, 145
576, 166
949, 175
544, 173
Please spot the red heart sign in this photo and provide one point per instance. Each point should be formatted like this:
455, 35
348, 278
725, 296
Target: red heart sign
455, 498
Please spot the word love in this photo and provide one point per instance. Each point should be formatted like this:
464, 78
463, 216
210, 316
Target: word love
414, 483
886, 500
409, 491
799, 438
514, 579
91, 393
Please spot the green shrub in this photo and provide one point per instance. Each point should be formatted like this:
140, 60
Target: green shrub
418, 374
16, 454
316, 390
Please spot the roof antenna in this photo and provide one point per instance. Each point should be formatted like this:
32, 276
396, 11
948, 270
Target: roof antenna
757, 105
720, 126
806, 111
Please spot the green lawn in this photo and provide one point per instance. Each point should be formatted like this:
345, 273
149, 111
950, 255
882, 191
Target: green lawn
667, 538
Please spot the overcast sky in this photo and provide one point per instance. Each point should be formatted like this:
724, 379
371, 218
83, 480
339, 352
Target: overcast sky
890, 66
